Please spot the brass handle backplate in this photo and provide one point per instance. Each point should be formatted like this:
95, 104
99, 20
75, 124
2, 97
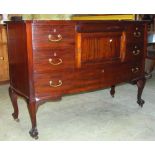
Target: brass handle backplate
136, 52
135, 70
50, 38
137, 34
55, 64
1, 58
55, 85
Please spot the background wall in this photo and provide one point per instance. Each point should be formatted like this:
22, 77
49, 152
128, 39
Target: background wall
43, 16
77, 16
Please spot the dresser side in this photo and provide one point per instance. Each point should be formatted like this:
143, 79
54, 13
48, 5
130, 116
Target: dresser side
18, 58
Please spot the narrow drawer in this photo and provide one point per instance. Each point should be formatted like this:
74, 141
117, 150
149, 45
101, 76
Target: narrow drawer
57, 59
52, 84
48, 36
135, 33
134, 52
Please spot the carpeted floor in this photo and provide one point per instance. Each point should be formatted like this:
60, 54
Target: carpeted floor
88, 116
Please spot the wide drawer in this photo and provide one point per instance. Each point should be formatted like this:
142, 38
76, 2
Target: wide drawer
48, 36
98, 27
57, 59
105, 76
87, 79
52, 84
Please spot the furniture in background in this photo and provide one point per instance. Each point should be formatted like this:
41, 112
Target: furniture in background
4, 69
150, 53
50, 59
150, 57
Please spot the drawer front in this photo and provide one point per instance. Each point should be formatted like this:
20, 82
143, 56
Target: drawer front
134, 52
106, 75
52, 84
126, 72
98, 27
87, 79
48, 36
135, 33
57, 59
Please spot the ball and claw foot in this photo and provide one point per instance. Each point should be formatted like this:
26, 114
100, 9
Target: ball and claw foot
15, 117
141, 102
34, 133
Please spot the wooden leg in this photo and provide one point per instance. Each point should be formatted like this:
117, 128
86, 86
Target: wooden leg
112, 91
13, 98
140, 84
32, 111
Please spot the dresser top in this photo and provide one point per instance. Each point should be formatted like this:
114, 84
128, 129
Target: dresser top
76, 21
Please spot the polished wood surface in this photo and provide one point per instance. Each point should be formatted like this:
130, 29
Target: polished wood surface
49, 59
18, 58
4, 65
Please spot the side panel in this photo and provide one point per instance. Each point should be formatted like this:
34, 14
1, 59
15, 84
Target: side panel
18, 59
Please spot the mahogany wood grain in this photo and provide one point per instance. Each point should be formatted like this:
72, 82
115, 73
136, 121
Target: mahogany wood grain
18, 58
54, 59
134, 52
40, 36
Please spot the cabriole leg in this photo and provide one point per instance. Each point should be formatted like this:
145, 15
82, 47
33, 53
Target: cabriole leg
32, 111
112, 91
140, 84
13, 98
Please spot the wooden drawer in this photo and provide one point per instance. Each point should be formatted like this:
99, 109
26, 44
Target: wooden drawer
48, 36
135, 33
57, 59
134, 52
52, 84
98, 27
87, 79
105, 75
124, 72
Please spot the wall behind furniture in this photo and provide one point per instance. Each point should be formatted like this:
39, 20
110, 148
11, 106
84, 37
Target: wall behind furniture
43, 16
47, 16
76, 16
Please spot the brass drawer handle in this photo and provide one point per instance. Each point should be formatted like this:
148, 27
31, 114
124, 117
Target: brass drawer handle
1, 58
54, 40
135, 70
136, 52
55, 64
137, 34
55, 85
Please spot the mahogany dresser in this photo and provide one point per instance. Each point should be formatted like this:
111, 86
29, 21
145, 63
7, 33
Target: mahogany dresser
49, 59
